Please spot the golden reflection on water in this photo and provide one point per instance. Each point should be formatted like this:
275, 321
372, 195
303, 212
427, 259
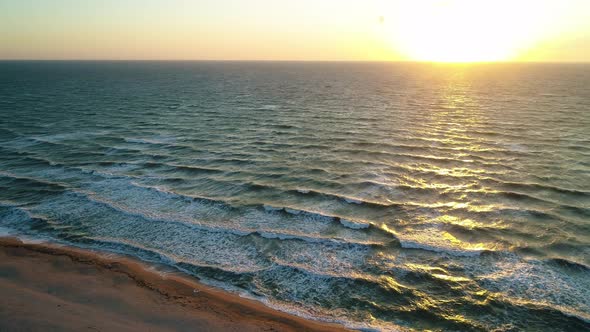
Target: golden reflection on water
454, 118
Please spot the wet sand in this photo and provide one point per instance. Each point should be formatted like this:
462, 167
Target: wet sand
52, 288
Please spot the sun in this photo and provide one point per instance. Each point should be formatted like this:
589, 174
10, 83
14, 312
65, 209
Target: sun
463, 30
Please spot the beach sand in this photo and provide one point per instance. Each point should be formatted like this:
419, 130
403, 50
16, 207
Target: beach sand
53, 288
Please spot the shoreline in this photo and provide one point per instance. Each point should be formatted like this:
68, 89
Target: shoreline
54, 287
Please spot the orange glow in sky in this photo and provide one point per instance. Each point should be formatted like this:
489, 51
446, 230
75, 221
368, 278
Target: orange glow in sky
385, 30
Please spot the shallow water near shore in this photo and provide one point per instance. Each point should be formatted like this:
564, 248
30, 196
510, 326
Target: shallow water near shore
377, 195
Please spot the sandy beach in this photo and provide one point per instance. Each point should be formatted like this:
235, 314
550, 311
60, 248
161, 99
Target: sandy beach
53, 288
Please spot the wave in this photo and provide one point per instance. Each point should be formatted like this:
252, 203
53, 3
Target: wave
350, 221
575, 266
340, 197
407, 244
297, 211
353, 224
128, 247
208, 226
308, 214
195, 169
153, 140
531, 186
33, 183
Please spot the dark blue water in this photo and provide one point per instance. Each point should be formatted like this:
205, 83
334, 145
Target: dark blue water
378, 195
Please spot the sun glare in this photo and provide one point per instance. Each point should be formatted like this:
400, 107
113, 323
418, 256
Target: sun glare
464, 31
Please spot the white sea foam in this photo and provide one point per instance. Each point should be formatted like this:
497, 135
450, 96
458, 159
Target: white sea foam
530, 280
436, 239
271, 208
293, 211
353, 200
354, 224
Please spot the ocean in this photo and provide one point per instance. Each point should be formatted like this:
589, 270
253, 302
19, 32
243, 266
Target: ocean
381, 196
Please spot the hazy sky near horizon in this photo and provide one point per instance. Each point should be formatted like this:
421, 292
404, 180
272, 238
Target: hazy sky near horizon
541, 30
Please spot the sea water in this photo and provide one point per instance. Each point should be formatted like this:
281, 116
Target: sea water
377, 195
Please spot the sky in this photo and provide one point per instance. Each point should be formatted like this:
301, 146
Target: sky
346, 30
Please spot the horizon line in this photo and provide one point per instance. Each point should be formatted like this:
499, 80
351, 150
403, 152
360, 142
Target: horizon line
293, 60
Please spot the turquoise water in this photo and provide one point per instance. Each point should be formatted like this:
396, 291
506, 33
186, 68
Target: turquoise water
377, 195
